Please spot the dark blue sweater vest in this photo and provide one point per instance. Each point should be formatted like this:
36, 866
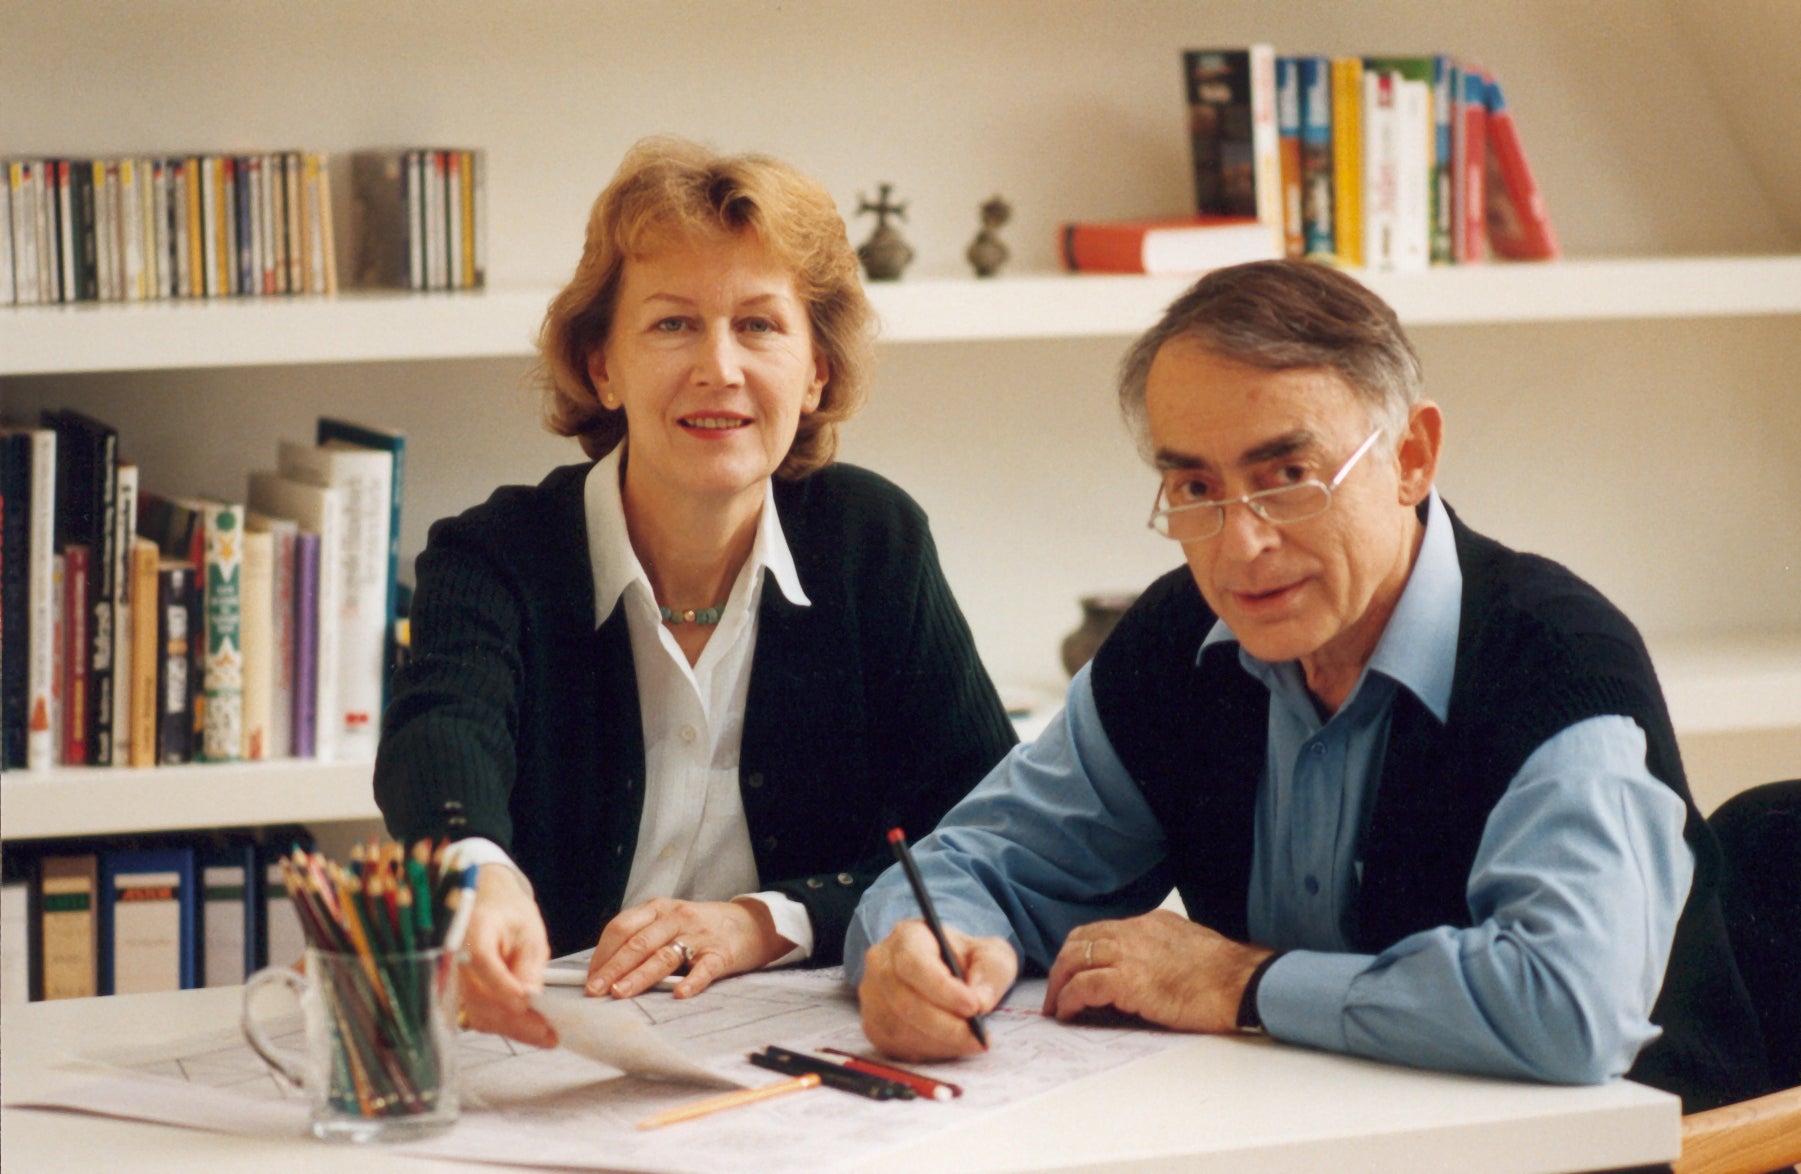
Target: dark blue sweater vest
1538, 650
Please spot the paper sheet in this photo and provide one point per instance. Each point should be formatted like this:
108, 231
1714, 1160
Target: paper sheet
554, 1108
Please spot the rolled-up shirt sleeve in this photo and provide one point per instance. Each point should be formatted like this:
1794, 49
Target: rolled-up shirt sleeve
1057, 835
1575, 892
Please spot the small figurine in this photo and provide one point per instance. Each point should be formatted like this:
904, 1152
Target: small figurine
885, 253
987, 252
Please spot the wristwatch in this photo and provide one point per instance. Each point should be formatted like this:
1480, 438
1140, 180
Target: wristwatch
1248, 1018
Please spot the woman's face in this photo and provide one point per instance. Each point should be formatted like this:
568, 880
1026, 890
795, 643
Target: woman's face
711, 355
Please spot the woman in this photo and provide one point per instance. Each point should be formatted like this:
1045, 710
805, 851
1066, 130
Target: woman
673, 698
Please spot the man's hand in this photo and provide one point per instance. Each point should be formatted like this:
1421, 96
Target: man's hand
1160, 967
913, 1006
711, 939
506, 951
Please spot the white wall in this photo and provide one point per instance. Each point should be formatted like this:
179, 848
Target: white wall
1662, 459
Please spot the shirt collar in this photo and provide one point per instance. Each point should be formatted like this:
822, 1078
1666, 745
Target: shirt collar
615, 566
1418, 648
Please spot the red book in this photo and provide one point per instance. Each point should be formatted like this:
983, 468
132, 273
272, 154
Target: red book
76, 559
1189, 244
1519, 224
1469, 139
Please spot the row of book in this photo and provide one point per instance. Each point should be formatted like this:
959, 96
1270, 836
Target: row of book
140, 629
131, 229
1384, 163
1381, 162
104, 917
420, 218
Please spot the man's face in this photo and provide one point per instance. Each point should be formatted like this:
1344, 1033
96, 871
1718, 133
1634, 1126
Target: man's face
1319, 590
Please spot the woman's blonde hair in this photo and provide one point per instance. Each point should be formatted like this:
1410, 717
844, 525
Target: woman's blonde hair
669, 189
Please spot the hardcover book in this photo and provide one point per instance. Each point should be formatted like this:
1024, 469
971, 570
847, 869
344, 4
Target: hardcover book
178, 619
87, 495
332, 432
1519, 223
149, 921
15, 588
284, 535
1469, 146
1318, 223
258, 641
1347, 159
221, 704
1233, 133
144, 658
320, 513
1189, 244
1288, 137
67, 927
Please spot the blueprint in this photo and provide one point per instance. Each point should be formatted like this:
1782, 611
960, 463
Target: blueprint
557, 1108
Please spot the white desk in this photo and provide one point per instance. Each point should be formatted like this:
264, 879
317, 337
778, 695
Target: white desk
1231, 1104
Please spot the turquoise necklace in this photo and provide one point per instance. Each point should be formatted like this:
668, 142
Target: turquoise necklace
705, 615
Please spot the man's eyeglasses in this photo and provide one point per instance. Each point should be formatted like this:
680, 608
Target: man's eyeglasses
1201, 520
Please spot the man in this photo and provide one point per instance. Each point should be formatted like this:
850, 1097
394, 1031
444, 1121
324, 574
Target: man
1418, 792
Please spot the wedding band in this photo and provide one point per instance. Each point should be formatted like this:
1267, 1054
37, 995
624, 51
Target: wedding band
683, 949
1088, 954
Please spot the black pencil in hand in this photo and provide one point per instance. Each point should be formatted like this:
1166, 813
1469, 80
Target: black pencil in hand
897, 840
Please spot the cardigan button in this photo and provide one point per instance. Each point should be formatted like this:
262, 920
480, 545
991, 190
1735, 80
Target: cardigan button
814, 882
618, 851
845, 878
754, 779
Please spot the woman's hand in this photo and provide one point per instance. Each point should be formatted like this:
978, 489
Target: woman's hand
644, 944
505, 949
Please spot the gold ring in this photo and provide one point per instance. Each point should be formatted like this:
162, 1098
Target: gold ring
686, 952
1088, 954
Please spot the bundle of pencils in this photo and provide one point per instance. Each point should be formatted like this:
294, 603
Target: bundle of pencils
384, 929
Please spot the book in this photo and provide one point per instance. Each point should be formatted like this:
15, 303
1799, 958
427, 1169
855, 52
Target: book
74, 643
220, 704
1413, 175
1190, 244
1444, 86
58, 652
1288, 138
284, 535
305, 694
126, 511
144, 659
364, 477
1381, 170
86, 493
177, 621
9, 292
15, 588
228, 911
149, 920
1347, 160
1318, 223
1469, 149
334, 432
66, 927
320, 513
15, 940
42, 597
386, 219
257, 603
23, 207
1518, 220
1233, 135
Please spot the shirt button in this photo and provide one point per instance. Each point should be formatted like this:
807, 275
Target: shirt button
688, 733
1319, 749
754, 780
845, 878
814, 882
1312, 885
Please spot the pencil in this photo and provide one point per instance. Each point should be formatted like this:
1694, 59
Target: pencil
897, 840
731, 1100
925, 1086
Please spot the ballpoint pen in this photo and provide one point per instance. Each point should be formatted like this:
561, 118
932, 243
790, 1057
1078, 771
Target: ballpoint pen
897, 839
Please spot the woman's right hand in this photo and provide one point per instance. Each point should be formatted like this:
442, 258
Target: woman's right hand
504, 954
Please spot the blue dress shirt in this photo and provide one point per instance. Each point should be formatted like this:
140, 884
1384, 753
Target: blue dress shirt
1574, 893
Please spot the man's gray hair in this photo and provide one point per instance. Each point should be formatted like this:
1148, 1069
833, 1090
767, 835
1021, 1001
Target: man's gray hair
1281, 315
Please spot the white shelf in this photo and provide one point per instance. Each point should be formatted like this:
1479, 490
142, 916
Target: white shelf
93, 801
382, 327
1715, 686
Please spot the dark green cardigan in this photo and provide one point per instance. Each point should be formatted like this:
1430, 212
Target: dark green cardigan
517, 717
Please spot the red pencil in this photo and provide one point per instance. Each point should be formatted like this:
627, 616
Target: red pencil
925, 1086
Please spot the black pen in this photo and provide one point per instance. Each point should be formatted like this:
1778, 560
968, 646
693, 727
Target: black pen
897, 840
878, 1088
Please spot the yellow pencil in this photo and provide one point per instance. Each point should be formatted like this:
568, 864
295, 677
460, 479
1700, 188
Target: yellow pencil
731, 1100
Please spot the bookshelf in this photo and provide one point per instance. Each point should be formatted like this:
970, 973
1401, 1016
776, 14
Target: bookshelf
389, 327
1597, 407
